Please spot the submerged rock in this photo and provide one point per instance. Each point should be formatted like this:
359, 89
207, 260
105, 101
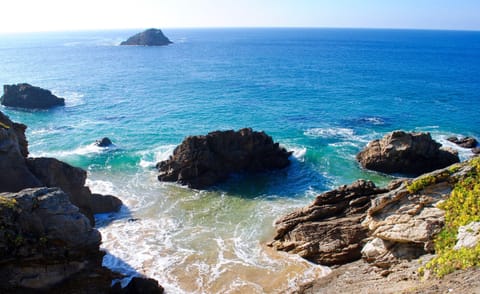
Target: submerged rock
202, 161
150, 37
406, 153
28, 96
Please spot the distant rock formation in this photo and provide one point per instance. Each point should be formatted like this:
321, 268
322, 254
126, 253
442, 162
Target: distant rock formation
465, 142
27, 96
20, 172
406, 153
150, 37
202, 161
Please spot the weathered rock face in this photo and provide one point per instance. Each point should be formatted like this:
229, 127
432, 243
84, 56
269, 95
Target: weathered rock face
466, 142
19, 172
15, 175
55, 173
406, 153
384, 226
41, 227
468, 236
28, 96
150, 37
328, 231
202, 161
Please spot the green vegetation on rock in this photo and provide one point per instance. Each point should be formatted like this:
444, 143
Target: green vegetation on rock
461, 208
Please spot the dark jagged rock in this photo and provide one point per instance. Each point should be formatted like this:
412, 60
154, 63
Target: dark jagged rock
328, 231
150, 37
28, 96
104, 142
406, 153
44, 239
202, 161
466, 142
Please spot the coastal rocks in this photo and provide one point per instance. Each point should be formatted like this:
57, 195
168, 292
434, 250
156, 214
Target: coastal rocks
104, 142
202, 161
329, 231
55, 173
466, 142
406, 153
44, 239
468, 236
150, 37
28, 96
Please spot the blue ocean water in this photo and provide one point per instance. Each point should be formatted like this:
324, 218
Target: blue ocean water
323, 93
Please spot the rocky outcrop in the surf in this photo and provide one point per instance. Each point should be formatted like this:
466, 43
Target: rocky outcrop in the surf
150, 37
27, 96
406, 153
48, 246
465, 142
104, 142
202, 161
382, 225
329, 231
19, 172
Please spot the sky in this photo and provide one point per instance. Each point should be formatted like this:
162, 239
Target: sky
67, 15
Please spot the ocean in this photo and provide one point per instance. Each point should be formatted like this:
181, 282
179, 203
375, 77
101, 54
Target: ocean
321, 93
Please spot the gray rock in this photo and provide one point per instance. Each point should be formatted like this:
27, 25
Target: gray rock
468, 236
150, 37
28, 96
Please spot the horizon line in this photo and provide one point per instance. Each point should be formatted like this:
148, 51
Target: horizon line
237, 27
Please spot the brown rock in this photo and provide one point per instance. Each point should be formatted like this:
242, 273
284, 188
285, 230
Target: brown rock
28, 96
328, 231
406, 153
202, 161
466, 142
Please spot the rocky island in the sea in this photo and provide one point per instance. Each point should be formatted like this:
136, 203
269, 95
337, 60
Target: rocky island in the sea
27, 96
150, 37
382, 240
202, 161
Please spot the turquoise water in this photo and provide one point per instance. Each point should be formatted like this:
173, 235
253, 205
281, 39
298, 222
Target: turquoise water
322, 93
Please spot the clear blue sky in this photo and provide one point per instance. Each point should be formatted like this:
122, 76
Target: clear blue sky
60, 15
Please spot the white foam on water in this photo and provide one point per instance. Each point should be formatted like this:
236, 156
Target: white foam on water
330, 132
149, 158
298, 152
463, 153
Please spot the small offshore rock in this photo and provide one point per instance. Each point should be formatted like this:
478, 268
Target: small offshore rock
27, 96
150, 37
406, 153
104, 142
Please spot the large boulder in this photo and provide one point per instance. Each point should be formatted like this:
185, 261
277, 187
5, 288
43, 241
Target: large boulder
202, 161
406, 153
27, 96
329, 231
44, 239
150, 37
